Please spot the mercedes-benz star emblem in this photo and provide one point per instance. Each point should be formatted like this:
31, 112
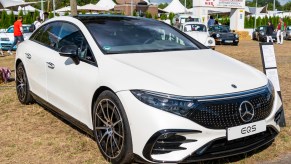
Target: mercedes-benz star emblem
246, 111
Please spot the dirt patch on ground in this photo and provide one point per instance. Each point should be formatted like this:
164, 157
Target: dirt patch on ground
30, 134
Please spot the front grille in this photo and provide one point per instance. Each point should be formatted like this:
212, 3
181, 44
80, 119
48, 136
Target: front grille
5, 39
223, 112
223, 148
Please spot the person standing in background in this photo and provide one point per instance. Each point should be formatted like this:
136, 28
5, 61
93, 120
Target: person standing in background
280, 30
210, 22
269, 31
37, 22
45, 16
18, 33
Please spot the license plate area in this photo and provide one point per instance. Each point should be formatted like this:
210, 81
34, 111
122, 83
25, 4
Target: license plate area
246, 130
228, 41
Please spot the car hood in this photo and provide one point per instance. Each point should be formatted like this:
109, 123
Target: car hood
186, 73
199, 36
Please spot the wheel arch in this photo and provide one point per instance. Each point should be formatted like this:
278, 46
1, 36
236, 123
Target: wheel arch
17, 62
96, 95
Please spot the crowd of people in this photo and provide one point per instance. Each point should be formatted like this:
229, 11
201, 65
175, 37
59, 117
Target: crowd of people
281, 28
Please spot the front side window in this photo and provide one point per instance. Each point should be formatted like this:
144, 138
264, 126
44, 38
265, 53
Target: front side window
48, 35
71, 35
131, 35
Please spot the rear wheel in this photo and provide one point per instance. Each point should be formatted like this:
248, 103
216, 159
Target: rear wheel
111, 129
22, 85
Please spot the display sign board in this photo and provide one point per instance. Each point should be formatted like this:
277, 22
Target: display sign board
271, 71
220, 3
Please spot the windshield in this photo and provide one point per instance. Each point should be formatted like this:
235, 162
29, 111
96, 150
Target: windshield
25, 29
183, 20
289, 28
262, 28
219, 28
130, 35
195, 27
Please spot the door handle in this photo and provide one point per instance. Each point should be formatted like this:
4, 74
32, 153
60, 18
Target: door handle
50, 65
28, 56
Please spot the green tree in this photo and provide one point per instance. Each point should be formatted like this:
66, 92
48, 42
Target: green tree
12, 18
51, 15
163, 16
171, 16
163, 5
287, 7
4, 17
189, 3
262, 3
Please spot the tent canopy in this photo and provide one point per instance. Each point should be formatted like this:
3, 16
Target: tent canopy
106, 4
91, 7
175, 7
14, 3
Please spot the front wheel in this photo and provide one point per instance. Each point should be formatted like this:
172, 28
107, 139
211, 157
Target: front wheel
22, 85
111, 129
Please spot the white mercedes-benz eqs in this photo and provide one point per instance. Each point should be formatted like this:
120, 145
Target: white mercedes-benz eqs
146, 91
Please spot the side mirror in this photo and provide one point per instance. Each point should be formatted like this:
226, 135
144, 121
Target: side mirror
70, 51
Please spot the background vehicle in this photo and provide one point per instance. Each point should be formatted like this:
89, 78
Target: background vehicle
7, 38
288, 33
146, 91
186, 18
260, 34
199, 32
223, 35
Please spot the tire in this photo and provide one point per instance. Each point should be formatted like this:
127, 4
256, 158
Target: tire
111, 129
22, 85
236, 44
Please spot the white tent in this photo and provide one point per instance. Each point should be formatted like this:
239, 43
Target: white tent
106, 4
27, 9
175, 7
13, 3
91, 7
64, 9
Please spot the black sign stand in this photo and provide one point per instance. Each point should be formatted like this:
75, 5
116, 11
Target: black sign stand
270, 65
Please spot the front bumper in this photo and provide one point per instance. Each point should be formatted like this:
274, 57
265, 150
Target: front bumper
288, 36
195, 142
5, 45
226, 41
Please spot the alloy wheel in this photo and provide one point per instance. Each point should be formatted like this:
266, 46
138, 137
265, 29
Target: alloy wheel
21, 83
109, 128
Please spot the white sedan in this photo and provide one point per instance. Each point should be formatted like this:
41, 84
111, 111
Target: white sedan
145, 91
199, 32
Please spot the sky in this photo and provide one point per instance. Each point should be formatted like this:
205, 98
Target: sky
168, 1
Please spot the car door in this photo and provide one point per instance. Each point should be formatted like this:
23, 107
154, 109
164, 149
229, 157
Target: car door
71, 86
35, 61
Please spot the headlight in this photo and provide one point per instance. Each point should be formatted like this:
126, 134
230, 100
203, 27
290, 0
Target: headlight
262, 33
271, 89
236, 35
169, 103
217, 35
210, 41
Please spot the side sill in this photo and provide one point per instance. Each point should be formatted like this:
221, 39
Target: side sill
63, 115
